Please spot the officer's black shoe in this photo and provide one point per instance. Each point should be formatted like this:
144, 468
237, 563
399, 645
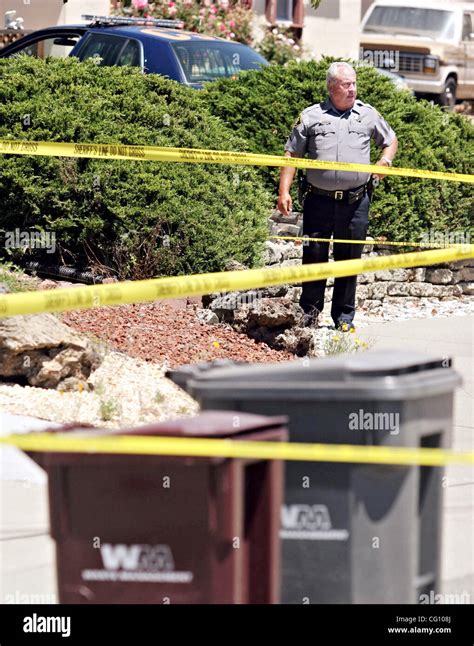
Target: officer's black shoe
345, 326
310, 319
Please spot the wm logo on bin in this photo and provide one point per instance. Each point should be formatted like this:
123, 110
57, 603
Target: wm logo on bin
309, 522
144, 558
137, 563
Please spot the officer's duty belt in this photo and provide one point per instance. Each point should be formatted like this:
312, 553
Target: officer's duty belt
351, 195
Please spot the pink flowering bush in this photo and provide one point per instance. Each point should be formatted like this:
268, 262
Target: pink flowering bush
224, 18
279, 46
140, 4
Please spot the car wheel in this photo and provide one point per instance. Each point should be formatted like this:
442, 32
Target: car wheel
448, 97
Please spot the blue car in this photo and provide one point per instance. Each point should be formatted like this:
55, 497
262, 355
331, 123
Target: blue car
156, 46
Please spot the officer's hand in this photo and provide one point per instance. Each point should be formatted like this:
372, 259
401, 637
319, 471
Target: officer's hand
285, 203
380, 176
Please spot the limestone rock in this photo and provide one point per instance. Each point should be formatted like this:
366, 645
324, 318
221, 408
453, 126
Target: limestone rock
397, 289
420, 289
365, 279
234, 265
384, 274
269, 313
377, 291
45, 352
299, 341
442, 290
273, 253
468, 289
465, 275
417, 274
224, 306
288, 230
399, 275
207, 317
439, 276
274, 291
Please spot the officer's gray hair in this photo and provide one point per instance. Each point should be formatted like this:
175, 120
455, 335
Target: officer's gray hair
333, 71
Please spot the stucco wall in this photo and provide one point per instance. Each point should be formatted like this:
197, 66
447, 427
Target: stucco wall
331, 30
45, 13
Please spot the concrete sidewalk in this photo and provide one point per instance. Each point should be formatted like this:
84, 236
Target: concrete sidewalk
27, 572
27, 553
454, 338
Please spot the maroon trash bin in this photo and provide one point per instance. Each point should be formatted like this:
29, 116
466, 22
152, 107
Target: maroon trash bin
160, 529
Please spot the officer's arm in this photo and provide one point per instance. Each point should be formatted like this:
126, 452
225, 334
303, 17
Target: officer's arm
287, 175
388, 154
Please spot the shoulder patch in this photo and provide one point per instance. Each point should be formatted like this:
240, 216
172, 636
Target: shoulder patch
298, 121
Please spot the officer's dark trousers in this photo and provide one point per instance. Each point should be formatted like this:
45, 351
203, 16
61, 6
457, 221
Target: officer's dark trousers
324, 217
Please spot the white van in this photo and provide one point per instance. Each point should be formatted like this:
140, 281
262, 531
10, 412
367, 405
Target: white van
429, 42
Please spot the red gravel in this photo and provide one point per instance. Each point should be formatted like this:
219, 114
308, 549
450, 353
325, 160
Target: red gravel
169, 332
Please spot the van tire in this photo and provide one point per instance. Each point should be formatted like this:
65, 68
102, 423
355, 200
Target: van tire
448, 97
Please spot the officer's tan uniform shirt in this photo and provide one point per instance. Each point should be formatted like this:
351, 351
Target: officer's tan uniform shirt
324, 133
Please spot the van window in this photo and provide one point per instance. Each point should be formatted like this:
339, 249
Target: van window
466, 27
411, 21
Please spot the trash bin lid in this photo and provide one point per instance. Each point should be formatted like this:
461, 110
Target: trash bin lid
215, 423
184, 373
378, 374
210, 424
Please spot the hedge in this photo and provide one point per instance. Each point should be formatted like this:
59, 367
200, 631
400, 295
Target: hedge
129, 218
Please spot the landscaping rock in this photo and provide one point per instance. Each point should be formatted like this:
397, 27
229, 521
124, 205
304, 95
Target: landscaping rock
43, 351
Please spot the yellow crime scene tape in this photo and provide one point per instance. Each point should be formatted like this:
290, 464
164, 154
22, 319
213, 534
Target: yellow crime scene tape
75, 298
371, 242
201, 156
159, 288
204, 447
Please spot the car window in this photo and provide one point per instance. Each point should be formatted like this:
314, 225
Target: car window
202, 61
112, 50
130, 54
58, 46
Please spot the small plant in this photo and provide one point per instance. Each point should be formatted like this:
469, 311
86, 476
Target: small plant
109, 408
183, 410
159, 397
14, 279
342, 343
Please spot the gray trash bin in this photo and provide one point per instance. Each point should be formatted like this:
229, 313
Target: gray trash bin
351, 533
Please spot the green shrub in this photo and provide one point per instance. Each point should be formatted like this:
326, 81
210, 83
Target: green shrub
263, 106
136, 218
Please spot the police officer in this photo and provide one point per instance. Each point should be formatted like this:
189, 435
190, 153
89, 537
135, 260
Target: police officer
336, 202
